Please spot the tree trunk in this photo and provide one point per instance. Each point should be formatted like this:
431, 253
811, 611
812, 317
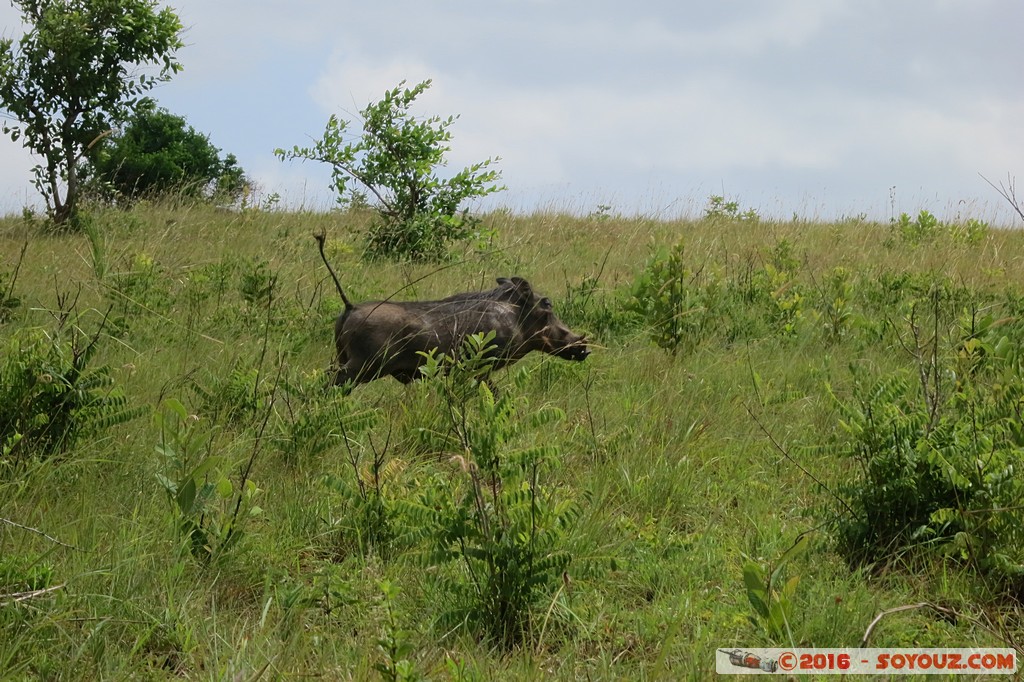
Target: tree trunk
64, 211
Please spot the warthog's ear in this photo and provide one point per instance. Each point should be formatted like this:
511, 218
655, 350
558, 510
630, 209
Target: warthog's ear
522, 289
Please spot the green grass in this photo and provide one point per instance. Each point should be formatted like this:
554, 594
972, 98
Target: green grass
672, 455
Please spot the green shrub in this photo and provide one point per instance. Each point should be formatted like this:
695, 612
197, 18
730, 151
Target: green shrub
719, 208
918, 230
971, 231
677, 303
601, 314
258, 283
771, 594
309, 421
365, 500
394, 643
835, 304
140, 286
503, 532
683, 305
926, 228
209, 510
773, 289
51, 396
948, 482
236, 398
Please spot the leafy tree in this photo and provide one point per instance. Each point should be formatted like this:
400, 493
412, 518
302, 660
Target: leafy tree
157, 152
72, 74
397, 159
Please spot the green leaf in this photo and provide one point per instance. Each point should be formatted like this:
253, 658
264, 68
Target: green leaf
224, 487
753, 579
798, 548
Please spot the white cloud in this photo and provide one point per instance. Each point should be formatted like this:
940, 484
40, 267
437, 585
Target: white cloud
984, 135
537, 131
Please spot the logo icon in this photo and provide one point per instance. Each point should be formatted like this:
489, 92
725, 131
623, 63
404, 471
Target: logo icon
745, 659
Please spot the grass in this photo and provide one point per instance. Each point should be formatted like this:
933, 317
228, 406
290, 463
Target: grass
686, 463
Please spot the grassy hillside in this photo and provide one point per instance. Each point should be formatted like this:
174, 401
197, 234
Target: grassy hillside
685, 465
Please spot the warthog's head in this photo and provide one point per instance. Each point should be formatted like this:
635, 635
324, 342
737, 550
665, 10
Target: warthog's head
540, 326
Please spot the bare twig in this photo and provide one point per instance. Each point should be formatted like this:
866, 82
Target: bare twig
590, 411
998, 631
14, 275
801, 467
1009, 193
63, 309
16, 597
39, 532
263, 426
899, 609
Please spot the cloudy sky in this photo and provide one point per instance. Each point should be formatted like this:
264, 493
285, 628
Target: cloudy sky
820, 108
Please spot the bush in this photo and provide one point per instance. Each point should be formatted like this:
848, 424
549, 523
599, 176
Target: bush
50, 396
926, 228
684, 304
719, 208
311, 421
504, 532
210, 512
237, 398
364, 499
946, 480
918, 230
835, 303
601, 313
157, 153
676, 302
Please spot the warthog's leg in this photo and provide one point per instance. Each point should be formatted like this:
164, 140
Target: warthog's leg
339, 376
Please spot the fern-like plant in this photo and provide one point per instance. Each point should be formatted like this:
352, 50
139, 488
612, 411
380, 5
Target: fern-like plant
504, 531
51, 396
949, 483
393, 644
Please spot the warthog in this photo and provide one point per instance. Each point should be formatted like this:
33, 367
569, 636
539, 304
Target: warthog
384, 338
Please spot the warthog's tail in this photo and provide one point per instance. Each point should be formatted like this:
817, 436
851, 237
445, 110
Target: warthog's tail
320, 238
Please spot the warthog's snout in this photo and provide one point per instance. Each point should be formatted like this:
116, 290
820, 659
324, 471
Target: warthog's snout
578, 351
